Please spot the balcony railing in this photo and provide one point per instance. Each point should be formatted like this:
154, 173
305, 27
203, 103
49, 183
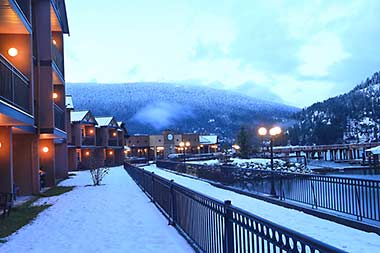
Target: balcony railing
112, 142
88, 141
57, 58
59, 118
14, 86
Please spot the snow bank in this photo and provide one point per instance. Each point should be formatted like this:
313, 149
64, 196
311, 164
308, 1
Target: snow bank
259, 164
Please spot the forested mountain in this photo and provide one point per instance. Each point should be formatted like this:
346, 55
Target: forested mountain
151, 107
348, 118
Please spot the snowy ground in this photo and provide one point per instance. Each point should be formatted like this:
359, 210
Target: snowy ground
115, 217
346, 238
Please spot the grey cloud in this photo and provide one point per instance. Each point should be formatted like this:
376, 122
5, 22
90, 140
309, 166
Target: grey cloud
162, 115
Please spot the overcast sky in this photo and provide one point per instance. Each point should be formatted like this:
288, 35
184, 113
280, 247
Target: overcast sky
296, 52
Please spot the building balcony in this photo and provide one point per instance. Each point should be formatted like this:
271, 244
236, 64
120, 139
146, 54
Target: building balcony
25, 9
88, 141
113, 142
14, 86
59, 118
58, 59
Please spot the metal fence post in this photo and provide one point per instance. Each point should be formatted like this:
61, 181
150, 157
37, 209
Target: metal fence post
314, 197
152, 193
172, 204
228, 242
359, 208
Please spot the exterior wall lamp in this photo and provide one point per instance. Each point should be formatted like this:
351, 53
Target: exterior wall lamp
45, 149
13, 52
55, 95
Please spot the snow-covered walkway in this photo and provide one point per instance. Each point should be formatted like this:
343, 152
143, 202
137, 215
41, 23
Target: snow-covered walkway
340, 236
115, 217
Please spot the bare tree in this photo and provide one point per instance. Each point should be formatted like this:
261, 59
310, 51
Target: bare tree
97, 172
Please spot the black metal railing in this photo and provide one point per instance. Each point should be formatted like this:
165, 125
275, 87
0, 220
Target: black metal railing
113, 142
88, 141
357, 198
58, 58
215, 226
14, 86
59, 118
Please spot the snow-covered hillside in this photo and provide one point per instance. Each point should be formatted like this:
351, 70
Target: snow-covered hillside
152, 107
351, 117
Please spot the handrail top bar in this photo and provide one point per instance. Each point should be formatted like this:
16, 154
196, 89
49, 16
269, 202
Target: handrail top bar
288, 231
12, 68
282, 172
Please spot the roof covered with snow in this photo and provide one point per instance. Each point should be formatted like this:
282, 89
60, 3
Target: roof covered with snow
77, 116
375, 150
69, 102
106, 121
208, 139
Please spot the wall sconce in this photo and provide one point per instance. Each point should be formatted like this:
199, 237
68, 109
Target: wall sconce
91, 131
54, 42
12, 52
87, 153
1, 144
55, 95
111, 152
114, 134
45, 149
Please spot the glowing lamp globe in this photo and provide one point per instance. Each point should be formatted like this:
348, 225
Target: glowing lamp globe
262, 131
12, 52
45, 149
275, 131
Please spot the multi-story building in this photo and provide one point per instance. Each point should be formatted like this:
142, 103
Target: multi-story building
153, 147
32, 91
82, 149
110, 137
94, 142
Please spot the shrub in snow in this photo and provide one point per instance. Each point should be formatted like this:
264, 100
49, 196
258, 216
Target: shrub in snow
97, 173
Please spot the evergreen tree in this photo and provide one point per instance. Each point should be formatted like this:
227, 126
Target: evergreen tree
244, 141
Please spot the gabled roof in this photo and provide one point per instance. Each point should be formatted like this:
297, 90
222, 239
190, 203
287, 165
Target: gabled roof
83, 117
375, 150
69, 102
208, 139
106, 121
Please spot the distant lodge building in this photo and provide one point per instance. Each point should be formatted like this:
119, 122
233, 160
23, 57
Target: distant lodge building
153, 147
94, 142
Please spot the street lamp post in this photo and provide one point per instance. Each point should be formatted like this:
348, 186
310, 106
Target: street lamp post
184, 146
273, 132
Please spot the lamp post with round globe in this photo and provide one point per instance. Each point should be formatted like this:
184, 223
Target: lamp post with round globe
273, 132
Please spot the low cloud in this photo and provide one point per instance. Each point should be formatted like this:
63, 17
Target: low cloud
162, 115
